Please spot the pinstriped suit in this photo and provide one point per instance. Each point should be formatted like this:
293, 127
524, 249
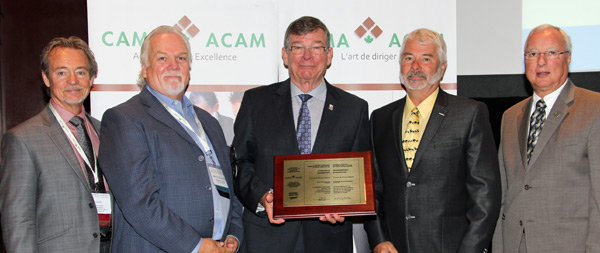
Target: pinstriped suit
556, 197
45, 199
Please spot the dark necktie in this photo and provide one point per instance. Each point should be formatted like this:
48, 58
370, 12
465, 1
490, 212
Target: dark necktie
86, 144
303, 129
535, 126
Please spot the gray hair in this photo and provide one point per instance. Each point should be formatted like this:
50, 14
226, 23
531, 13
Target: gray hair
426, 36
73, 42
146, 48
304, 25
566, 38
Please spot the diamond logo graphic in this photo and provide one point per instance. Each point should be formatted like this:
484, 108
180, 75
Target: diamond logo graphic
368, 26
185, 26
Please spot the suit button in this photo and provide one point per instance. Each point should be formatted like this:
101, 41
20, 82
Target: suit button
520, 223
409, 184
208, 188
201, 158
91, 205
503, 217
95, 235
408, 217
527, 187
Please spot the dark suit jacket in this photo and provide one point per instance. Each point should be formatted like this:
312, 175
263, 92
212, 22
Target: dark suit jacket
159, 179
556, 197
264, 127
450, 200
45, 198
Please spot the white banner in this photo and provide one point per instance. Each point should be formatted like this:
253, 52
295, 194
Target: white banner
237, 44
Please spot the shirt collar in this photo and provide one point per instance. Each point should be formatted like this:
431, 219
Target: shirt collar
425, 108
549, 99
66, 115
319, 93
173, 103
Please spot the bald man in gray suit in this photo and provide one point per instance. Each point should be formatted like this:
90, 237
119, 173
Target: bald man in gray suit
550, 157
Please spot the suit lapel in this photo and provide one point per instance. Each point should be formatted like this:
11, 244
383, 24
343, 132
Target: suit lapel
440, 108
523, 131
554, 118
158, 111
58, 136
397, 132
329, 119
283, 110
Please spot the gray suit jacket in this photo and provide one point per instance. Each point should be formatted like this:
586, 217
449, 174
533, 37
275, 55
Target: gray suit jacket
556, 197
45, 199
159, 178
449, 201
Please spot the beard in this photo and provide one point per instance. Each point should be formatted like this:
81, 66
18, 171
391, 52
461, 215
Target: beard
176, 86
417, 85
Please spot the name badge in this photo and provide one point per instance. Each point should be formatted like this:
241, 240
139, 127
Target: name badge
103, 203
219, 180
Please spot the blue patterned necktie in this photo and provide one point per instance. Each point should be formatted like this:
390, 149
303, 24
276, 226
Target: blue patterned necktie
535, 126
303, 129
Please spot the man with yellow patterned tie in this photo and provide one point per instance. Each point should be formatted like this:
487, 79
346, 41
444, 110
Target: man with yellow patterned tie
437, 181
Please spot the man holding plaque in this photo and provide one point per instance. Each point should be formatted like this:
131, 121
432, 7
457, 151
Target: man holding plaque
301, 115
437, 181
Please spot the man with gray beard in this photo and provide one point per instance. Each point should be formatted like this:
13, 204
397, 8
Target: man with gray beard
167, 161
437, 182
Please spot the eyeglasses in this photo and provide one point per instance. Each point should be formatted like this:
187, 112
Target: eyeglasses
313, 50
549, 55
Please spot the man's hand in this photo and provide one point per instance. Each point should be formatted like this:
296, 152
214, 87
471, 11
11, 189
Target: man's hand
267, 202
332, 218
385, 247
231, 243
210, 245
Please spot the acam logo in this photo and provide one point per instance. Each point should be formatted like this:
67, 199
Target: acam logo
368, 26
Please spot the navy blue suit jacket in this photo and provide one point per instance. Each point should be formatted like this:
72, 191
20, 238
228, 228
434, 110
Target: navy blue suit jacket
159, 179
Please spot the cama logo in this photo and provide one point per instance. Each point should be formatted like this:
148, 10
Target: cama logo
186, 26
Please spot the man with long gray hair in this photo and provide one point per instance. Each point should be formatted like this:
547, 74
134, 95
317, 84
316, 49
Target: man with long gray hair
167, 162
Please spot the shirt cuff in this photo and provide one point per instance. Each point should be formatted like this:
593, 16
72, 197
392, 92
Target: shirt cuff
198, 246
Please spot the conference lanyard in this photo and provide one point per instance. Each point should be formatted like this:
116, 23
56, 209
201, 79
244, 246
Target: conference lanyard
201, 136
216, 172
75, 143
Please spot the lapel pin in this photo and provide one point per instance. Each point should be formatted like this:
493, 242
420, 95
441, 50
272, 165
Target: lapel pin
442, 114
330, 107
556, 114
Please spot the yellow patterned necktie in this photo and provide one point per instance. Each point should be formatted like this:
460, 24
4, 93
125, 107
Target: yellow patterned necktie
411, 139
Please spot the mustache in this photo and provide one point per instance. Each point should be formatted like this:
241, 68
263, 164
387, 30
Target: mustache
174, 73
417, 74
73, 87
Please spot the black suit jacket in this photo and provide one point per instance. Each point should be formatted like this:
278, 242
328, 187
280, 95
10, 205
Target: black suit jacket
450, 200
264, 127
